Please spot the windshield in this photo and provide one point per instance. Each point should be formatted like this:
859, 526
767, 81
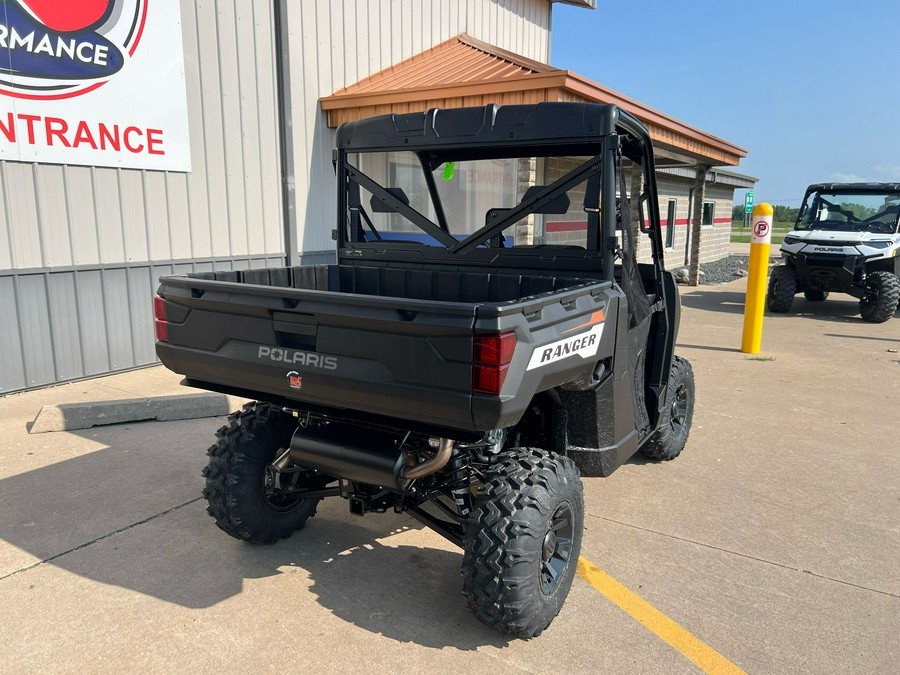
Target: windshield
409, 197
848, 211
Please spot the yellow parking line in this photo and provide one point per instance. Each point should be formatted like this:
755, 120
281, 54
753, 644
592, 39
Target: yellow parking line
707, 658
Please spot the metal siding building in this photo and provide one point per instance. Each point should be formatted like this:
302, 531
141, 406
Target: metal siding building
334, 44
82, 248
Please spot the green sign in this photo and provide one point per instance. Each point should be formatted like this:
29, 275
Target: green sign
748, 201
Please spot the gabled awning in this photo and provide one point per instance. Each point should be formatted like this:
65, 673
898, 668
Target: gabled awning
465, 72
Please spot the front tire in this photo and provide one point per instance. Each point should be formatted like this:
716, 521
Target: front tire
239, 498
884, 294
523, 541
674, 427
782, 288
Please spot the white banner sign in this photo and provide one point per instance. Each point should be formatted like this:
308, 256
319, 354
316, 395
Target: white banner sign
93, 82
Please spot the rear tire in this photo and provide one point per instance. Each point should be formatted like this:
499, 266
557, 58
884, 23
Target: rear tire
884, 294
236, 488
782, 288
523, 541
675, 421
815, 296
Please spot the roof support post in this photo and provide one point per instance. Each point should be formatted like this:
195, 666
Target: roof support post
635, 190
697, 226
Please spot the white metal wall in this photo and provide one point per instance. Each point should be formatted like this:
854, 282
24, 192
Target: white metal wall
81, 248
228, 206
334, 44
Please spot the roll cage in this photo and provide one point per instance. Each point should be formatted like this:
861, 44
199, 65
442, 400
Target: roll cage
603, 134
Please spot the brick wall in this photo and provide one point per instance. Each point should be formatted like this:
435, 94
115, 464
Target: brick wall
714, 239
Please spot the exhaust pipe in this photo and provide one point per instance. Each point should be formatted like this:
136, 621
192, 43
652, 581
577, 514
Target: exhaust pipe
363, 455
436, 463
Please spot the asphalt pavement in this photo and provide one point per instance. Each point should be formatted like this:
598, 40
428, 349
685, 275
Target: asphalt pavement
773, 539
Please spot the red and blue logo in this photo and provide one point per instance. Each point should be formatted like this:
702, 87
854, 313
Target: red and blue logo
52, 49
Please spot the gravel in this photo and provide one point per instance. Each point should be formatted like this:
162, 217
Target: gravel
726, 269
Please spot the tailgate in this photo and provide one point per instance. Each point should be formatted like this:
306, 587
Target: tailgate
404, 358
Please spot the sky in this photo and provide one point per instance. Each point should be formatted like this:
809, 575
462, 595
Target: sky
810, 88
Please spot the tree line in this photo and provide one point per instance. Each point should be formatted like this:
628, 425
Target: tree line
783, 214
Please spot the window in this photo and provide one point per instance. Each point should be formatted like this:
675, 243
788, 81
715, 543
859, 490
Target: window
709, 213
438, 201
670, 223
570, 227
849, 211
467, 192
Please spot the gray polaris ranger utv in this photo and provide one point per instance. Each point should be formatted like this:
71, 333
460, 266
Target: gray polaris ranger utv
485, 338
845, 240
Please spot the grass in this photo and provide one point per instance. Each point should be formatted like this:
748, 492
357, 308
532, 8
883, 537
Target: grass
741, 235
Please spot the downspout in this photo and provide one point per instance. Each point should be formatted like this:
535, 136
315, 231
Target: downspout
286, 134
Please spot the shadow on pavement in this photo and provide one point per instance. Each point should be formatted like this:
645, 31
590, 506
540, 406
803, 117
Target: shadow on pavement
709, 348
129, 516
405, 593
840, 311
862, 337
732, 302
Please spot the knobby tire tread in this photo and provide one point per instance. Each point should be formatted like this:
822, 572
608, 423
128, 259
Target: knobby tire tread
234, 476
887, 296
782, 288
502, 547
666, 444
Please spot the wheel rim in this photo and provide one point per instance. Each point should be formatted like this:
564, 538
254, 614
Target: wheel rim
678, 413
871, 298
276, 498
556, 549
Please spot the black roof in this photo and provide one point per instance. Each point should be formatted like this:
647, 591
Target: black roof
854, 187
492, 125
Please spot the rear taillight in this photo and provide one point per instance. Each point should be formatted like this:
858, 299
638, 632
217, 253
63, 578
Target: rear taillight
162, 319
492, 355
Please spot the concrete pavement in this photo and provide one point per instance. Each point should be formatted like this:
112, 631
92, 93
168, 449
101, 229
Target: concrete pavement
774, 538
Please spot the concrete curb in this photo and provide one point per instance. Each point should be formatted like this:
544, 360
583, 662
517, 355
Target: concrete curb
72, 416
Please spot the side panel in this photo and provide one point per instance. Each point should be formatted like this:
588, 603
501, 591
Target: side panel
557, 344
601, 433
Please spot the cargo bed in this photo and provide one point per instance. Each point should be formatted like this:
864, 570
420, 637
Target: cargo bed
389, 341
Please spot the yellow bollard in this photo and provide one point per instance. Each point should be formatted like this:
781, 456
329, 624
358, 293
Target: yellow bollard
760, 243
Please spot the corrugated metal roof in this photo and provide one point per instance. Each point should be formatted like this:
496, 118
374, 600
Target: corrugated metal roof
717, 175
458, 60
464, 71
